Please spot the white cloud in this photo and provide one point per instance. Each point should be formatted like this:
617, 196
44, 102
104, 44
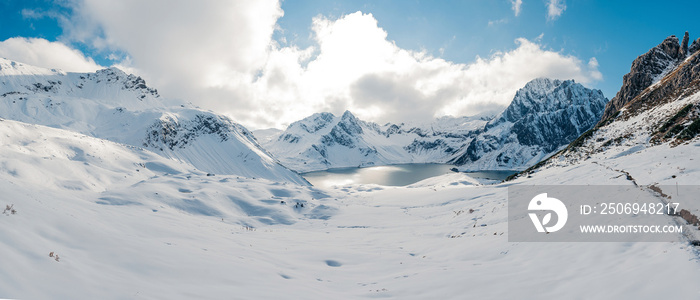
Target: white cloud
555, 8
42, 53
593, 69
358, 69
516, 6
181, 45
497, 22
221, 56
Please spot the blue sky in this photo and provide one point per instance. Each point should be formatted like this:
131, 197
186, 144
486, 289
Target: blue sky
615, 32
232, 66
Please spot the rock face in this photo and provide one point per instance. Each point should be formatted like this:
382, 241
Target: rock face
694, 47
544, 115
649, 68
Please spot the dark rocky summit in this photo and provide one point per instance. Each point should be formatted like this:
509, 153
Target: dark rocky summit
648, 68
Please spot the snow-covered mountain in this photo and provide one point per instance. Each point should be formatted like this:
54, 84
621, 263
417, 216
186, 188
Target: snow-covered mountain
116, 106
324, 141
544, 116
660, 113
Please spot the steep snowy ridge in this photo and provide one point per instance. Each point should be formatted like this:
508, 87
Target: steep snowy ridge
113, 105
544, 116
111, 87
324, 141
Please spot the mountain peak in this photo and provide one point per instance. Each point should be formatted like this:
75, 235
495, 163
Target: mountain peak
684, 44
541, 82
349, 123
312, 123
671, 47
647, 69
545, 94
348, 115
545, 115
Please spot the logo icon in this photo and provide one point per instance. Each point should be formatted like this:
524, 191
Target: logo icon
542, 202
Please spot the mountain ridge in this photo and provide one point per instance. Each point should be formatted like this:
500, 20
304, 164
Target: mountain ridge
120, 107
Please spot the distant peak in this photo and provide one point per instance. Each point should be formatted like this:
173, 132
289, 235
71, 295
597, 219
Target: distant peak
11, 67
112, 71
545, 84
347, 114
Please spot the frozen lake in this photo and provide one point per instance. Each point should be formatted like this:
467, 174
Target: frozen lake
394, 175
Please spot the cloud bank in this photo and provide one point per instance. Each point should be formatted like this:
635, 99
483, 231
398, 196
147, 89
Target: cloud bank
42, 53
220, 55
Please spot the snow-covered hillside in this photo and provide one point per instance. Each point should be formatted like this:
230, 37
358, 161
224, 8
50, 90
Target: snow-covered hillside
128, 223
112, 105
544, 116
324, 141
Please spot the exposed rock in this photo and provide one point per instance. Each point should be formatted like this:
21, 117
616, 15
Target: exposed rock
695, 46
689, 217
172, 133
684, 45
645, 70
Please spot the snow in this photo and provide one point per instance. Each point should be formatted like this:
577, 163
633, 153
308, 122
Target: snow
128, 223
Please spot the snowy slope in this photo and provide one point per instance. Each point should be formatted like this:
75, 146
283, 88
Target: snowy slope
112, 105
127, 223
324, 141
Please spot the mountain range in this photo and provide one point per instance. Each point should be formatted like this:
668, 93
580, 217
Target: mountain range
544, 116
